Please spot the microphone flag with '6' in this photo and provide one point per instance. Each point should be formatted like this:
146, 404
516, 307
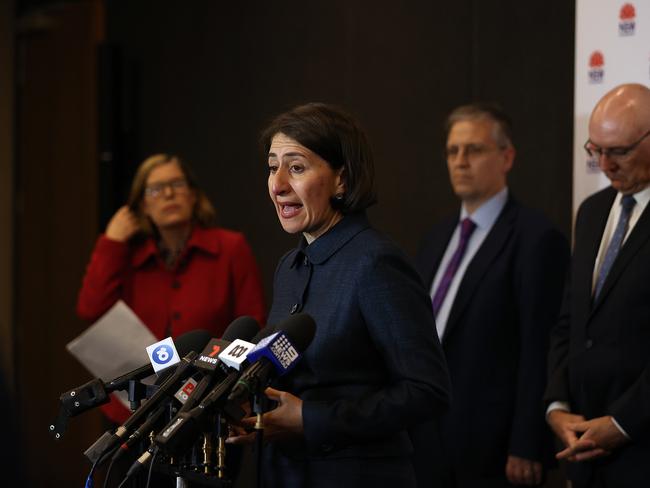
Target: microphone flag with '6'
185, 368
292, 338
96, 392
208, 363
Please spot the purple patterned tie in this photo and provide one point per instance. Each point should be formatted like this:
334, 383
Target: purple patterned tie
466, 229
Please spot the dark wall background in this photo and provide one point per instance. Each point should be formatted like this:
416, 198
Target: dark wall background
100, 84
201, 79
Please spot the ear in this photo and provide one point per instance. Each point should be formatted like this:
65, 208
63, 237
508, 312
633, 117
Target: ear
341, 185
508, 159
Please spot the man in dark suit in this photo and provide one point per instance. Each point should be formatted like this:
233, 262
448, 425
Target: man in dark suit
599, 364
495, 272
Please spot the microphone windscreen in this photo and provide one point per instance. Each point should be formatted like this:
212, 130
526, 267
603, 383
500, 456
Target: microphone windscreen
243, 328
300, 328
261, 334
194, 340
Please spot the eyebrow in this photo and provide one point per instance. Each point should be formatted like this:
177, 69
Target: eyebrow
287, 155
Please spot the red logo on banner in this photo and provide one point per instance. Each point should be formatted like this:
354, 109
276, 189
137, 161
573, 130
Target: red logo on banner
596, 60
596, 67
628, 12
627, 23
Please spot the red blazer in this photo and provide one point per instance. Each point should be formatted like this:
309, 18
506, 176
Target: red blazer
214, 281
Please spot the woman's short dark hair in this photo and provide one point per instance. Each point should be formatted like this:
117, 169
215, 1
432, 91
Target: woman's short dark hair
337, 138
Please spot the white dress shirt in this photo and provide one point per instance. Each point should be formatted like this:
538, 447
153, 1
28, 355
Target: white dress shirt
484, 217
642, 198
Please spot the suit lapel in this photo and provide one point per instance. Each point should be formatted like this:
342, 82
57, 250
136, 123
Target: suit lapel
637, 238
586, 251
487, 253
436, 250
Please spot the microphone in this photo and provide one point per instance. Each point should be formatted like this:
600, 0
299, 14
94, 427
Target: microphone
108, 441
231, 346
275, 355
180, 433
95, 392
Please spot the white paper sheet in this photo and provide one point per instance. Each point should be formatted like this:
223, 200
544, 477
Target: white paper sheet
114, 345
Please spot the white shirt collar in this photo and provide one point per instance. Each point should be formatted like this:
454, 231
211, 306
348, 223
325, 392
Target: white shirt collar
485, 216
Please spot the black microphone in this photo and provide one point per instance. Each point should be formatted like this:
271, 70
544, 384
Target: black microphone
275, 355
180, 433
96, 392
194, 340
240, 330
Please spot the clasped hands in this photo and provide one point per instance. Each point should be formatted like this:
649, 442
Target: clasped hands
281, 423
585, 439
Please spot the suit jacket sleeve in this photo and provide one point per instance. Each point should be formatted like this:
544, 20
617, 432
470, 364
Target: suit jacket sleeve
102, 284
398, 315
557, 388
542, 265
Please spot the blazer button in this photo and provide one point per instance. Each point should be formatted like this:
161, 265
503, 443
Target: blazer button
327, 448
294, 308
589, 344
176, 284
305, 261
176, 315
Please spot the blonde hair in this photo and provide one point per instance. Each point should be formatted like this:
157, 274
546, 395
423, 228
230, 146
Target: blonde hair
203, 212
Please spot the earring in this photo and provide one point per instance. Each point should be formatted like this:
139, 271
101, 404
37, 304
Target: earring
338, 197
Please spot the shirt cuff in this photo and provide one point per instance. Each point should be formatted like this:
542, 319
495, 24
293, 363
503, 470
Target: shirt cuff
564, 406
618, 426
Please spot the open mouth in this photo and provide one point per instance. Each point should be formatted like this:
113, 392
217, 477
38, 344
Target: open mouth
289, 210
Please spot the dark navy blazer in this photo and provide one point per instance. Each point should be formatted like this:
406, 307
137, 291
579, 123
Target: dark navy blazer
496, 341
375, 366
600, 352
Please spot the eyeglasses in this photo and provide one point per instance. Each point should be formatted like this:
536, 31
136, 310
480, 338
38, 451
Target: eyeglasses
471, 151
612, 152
156, 190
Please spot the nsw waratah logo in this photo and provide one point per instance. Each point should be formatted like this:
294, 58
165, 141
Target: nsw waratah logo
596, 67
627, 20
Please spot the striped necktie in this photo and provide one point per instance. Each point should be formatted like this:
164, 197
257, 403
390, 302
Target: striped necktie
627, 204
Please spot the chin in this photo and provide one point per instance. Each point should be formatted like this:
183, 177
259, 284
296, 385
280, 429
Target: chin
291, 229
173, 222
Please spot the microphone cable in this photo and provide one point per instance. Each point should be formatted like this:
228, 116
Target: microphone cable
153, 459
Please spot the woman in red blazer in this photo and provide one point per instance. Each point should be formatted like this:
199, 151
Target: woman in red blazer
161, 256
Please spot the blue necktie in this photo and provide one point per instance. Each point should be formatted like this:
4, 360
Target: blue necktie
627, 204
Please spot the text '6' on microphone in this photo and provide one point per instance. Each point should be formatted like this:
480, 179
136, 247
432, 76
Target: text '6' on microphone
96, 392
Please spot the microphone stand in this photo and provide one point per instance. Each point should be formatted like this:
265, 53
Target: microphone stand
258, 410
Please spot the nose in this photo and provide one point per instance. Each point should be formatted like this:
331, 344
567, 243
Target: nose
278, 182
461, 158
168, 191
605, 162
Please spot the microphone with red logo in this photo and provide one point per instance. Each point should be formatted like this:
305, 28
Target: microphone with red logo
212, 365
293, 337
208, 362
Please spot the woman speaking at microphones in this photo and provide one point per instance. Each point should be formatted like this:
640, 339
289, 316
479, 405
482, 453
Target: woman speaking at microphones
374, 367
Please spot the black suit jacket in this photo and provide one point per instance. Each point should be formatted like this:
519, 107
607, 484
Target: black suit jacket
600, 351
496, 343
